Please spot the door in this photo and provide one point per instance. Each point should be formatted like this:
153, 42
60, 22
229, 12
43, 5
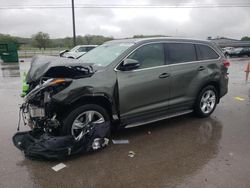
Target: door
145, 90
185, 74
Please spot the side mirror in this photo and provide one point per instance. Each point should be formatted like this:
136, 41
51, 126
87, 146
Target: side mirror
129, 64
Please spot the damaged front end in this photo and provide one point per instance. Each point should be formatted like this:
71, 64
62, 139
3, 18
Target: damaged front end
46, 78
38, 108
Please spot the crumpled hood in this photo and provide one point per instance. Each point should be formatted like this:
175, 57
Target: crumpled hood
57, 67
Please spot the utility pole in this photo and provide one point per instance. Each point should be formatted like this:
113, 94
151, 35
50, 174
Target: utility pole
74, 26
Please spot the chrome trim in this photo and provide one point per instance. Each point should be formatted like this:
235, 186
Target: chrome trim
166, 65
158, 119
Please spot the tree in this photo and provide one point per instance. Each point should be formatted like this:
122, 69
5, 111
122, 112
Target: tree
67, 42
245, 38
92, 39
8, 38
88, 38
41, 40
148, 36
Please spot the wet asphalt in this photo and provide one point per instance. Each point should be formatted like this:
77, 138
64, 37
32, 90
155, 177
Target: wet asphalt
179, 152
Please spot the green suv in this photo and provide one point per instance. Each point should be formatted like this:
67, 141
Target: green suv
126, 83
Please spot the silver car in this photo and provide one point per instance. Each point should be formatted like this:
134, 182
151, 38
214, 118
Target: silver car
77, 51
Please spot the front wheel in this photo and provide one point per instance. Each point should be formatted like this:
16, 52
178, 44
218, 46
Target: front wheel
79, 120
206, 101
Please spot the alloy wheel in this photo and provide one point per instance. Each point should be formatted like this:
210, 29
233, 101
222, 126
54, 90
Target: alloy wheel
83, 121
208, 101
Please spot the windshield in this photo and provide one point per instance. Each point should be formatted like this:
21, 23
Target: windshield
74, 49
105, 54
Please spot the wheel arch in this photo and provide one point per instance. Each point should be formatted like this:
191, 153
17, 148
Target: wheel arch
216, 84
100, 100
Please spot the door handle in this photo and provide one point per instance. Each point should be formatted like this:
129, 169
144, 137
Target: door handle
201, 68
164, 75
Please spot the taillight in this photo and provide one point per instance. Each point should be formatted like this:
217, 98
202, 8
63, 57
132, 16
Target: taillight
226, 63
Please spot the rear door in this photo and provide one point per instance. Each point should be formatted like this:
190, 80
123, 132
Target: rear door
186, 72
145, 90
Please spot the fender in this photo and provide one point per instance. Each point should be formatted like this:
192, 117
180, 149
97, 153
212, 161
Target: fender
214, 83
89, 94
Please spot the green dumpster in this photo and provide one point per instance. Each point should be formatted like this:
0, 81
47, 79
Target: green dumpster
8, 52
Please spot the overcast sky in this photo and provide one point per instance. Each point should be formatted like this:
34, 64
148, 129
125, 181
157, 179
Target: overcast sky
124, 22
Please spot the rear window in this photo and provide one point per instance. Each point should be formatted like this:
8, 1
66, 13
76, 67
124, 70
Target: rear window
180, 52
205, 52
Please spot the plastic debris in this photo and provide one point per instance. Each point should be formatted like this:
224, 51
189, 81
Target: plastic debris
149, 132
120, 141
40, 145
131, 154
239, 98
58, 167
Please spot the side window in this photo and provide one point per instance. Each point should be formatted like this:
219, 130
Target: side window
180, 52
205, 52
149, 55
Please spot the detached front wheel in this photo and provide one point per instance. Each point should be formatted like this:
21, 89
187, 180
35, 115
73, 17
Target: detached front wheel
206, 101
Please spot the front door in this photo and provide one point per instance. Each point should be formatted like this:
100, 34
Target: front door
145, 90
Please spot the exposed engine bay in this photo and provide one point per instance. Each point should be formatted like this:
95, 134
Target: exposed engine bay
38, 109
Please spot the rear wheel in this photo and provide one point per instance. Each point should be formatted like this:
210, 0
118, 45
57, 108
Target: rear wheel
206, 101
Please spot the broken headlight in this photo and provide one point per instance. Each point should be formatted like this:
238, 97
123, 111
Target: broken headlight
52, 85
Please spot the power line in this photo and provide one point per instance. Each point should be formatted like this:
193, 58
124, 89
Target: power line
94, 6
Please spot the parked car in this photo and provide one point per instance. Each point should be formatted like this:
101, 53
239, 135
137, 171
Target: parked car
238, 52
227, 50
126, 83
77, 51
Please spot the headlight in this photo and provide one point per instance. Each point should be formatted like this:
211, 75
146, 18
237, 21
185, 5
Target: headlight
56, 81
48, 83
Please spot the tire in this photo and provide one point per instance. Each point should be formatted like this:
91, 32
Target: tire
84, 110
205, 106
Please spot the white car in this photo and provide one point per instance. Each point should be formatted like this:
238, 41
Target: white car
227, 50
77, 51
